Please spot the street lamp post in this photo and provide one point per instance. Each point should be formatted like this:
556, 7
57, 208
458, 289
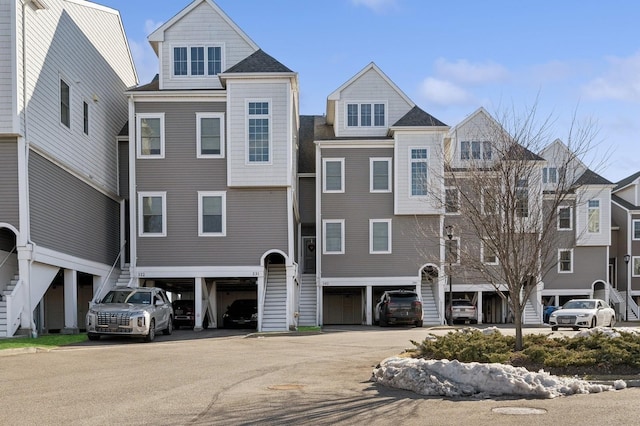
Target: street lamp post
449, 229
627, 258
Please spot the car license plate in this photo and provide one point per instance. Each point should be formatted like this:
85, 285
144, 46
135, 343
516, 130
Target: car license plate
565, 321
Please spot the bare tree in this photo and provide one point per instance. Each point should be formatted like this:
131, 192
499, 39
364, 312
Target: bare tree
509, 200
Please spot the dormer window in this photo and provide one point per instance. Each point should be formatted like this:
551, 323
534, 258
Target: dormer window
475, 150
366, 115
197, 61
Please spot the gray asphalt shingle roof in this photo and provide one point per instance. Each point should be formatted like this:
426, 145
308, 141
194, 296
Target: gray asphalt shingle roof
258, 61
417, 117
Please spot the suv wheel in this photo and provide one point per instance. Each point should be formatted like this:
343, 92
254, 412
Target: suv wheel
152, 332
93, 336
167, 331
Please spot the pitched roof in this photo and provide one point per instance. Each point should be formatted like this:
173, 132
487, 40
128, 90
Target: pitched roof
589, 177
624, 203
152, 86
416, 117
258, 61
626, 181
519, 152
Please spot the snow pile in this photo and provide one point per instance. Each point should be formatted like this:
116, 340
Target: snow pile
608, 332
455, 379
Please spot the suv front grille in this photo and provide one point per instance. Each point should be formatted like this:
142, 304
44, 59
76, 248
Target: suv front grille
112, 319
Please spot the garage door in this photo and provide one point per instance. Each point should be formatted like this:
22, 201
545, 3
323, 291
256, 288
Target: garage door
343, 306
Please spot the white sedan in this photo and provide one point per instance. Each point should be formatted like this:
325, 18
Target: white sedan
583, 313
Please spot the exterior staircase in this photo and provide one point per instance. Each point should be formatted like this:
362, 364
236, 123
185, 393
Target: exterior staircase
530, 314
274, 316
430, 314
5, 326
123, 280
307, 310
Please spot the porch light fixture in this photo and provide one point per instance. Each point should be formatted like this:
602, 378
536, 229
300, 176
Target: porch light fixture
449, 230
627, 258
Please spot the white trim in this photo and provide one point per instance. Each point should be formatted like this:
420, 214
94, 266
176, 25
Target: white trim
368, 281
387, 160
373, 106
560, 251
364, 143
199, 117
324, 236
223, 197
144, 194
269, 117
148, 115
599, 210
63, 260
389, 239
189, 46
570, 228
151, 272
324, 176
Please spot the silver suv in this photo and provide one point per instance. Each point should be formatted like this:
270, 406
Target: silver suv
131, 311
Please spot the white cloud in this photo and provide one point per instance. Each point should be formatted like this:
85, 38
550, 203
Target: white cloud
465, 72
377, 6
151, 25
443, 92
620, 82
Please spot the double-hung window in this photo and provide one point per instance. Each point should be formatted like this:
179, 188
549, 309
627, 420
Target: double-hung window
65, 103
258, 131
150, 135
366, 115
565, 261
635, 271
333, 235
210, 134
152, 208
380, 236
212, 217
565, 218
197, 61
593, 216
333, 175
550, 175
418, 171
380, 174
488, 255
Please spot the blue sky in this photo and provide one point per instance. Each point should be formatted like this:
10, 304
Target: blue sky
570, 57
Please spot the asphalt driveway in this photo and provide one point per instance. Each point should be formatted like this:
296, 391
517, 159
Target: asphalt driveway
224, 377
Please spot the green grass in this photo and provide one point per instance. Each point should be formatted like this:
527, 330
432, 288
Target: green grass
308, 328
592, 354
49, 341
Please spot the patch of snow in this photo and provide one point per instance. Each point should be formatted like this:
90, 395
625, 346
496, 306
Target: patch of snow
458, 379
609, 332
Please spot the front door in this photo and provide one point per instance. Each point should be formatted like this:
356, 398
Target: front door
309, 260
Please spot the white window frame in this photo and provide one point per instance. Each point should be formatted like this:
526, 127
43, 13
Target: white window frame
199, 117
373, 160
599, 213
139, 118
546, 175
570, 228
201, 196
389, 239
418, 160
635, 272
457, 211
324, 175
143, 195
268, 117
324, 236
205, 46
482, 151
359, 115
633, 229
482, 257
560, 251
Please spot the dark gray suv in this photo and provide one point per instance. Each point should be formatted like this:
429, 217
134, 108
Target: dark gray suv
399, 307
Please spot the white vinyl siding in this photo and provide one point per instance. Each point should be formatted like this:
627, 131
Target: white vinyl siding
152, 214
202, 27
333, 236
101, 74
210, 135
333, 175
593, 216
150, 135
380, 175
212, 214
380, 236
565, 261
